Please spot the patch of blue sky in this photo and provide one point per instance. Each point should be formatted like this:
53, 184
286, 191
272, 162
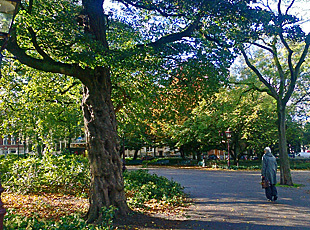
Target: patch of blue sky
299, 8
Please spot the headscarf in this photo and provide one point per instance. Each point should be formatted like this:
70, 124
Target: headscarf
268, 150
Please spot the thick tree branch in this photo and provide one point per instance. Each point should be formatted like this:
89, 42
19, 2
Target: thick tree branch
213, 39
70, 87
56, 102
290, 53
303, 55
296, 72
279, 7
273, 51
303, 98
289, 7
263, 47
47, 65
280, 70
36, 45
175, 36
271, 90
252, 87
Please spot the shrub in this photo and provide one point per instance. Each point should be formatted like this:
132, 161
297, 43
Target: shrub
5, 164
140, 187
67, 174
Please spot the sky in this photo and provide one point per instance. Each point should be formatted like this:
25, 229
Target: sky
301, 8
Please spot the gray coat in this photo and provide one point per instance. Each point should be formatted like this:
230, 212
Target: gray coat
269, 167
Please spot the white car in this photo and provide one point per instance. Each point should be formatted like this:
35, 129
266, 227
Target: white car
303, 155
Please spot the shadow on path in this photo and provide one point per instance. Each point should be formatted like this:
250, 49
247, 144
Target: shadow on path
235, 200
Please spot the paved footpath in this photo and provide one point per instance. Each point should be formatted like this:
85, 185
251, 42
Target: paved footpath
235, 200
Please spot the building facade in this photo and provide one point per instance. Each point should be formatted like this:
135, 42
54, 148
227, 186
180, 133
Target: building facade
10, 144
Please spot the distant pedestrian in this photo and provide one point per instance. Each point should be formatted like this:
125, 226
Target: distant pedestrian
269, 172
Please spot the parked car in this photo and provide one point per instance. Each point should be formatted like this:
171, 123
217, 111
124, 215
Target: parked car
212, 157
244, 157
303, 155
254, 158
147, 158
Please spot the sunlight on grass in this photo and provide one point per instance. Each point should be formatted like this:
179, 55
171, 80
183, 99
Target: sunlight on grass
287, 186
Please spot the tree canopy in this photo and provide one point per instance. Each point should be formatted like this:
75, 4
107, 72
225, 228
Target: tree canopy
146, 48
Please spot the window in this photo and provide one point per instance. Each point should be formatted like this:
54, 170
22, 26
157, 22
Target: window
5, 140
13, 140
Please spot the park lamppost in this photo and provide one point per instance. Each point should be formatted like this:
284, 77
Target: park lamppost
228, 136
8, 10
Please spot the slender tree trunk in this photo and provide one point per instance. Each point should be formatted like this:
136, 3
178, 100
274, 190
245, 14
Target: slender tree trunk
122, 151
285, 172
107, 186
199, 158
135, 156
235, 148
182, 152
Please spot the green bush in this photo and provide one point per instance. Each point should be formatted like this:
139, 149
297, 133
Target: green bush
144, 187
301, 164
69, 174
5, 164
66, 174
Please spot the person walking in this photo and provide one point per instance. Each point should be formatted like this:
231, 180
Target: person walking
269, 172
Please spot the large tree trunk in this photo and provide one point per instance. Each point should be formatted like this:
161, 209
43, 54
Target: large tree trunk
107, 186
285, 172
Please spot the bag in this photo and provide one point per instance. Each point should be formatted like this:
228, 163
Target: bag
265, 183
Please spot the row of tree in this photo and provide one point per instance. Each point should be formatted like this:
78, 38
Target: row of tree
250, 116
40, 109
53, 114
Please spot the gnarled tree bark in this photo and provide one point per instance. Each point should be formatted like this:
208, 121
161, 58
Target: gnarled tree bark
107, 187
